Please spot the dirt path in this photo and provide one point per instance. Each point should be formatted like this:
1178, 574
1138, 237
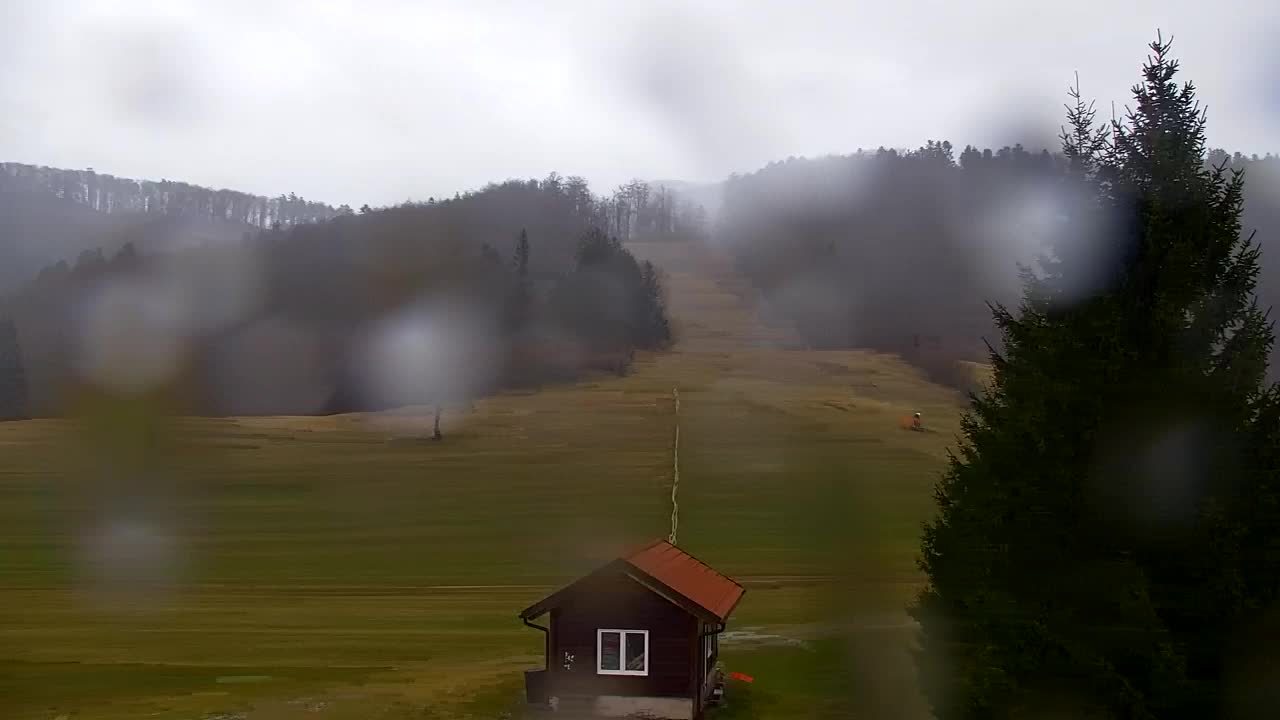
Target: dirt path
714, 309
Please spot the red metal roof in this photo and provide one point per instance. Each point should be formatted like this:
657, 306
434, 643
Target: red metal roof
688, 576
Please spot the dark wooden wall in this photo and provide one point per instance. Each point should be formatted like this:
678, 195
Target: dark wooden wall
618, 602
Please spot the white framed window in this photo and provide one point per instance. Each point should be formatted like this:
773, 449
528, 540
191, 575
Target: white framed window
622, 652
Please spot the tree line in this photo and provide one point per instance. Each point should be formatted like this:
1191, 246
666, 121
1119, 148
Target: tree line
516, 283
901, 251
47, 214
640, 211
110, 194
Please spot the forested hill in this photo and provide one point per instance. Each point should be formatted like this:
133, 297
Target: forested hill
435, 302
110, 194
48, 214
901, 250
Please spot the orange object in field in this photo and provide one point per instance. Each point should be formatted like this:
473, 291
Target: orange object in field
907, 422
742, 677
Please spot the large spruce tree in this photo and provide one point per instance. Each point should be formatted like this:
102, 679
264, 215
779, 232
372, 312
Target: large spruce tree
1106, 533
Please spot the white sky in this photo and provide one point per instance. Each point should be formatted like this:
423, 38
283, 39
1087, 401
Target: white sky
381, 100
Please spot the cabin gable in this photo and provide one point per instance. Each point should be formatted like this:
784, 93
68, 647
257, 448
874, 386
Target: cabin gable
617, 602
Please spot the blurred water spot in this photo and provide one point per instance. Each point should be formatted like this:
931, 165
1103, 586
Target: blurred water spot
1152, 477
1175, 463
1027, 115
131, 336
128, 563
221, 285
804, 296
151, 72
427, 354
406, 354
1017, 230
1090, 244
696, 81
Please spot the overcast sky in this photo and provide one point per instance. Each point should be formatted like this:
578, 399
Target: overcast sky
380, 100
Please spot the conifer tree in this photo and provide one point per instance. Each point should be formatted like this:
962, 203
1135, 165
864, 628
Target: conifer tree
520, 260
1108, 523
654, 329
520, 299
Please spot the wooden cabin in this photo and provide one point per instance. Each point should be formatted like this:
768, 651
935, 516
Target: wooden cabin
638, 636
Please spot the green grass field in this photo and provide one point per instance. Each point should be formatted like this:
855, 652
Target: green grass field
313, 567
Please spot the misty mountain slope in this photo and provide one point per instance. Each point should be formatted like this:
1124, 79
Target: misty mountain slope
314, 318
37, 229
902, 251
51, 214
111, 195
